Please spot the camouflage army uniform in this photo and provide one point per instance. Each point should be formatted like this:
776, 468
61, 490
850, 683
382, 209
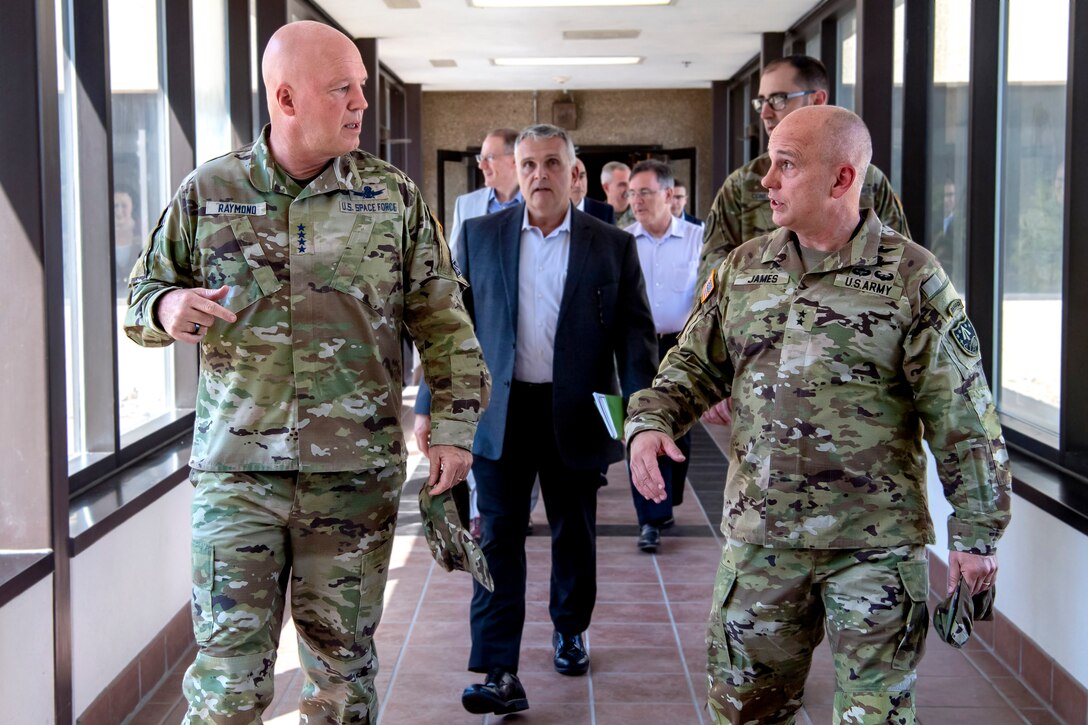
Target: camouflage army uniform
627, 218
836, 377
741, 211
298, 456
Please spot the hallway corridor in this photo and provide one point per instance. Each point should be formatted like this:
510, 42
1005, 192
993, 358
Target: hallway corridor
646, 640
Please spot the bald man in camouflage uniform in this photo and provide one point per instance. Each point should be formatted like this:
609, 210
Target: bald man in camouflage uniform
294, 263
843, 345
740, 210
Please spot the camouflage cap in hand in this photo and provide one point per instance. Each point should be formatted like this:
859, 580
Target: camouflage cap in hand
954, 618
451, 544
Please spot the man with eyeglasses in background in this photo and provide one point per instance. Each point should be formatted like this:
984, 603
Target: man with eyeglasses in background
500, 190
742, 211
668, 252
678, 204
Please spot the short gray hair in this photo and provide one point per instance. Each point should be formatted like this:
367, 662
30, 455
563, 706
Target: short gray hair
545, 131
611, 166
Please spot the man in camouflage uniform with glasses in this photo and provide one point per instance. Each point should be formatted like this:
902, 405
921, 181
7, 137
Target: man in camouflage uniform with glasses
740, 210
844, 345
294, 263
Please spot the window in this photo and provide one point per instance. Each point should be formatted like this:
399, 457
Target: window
1031, 195
899, 30
848, 60
213, 131
947, 163
137, 75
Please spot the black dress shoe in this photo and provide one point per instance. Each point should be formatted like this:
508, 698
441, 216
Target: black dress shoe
501, 693
649, 538
571, 657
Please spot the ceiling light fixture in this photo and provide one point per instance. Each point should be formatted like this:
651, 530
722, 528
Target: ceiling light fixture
570, 60
565, 3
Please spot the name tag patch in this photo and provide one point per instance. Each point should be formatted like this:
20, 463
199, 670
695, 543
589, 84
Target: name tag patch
232, 207
762, 278
369, 207
873, 284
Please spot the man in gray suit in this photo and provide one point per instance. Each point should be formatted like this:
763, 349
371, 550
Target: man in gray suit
500, 189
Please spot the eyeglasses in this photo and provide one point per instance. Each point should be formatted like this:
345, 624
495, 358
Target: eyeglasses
641, 193
777, 101
480, 158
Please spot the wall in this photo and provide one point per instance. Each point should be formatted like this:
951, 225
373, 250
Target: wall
125, 589
1040, 584
669, 118
26, 656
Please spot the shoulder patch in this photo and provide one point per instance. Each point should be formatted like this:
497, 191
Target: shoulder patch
966, 338
708, 288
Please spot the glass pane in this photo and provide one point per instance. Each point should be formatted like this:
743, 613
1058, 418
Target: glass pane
848, 58
1032, 196
948, 106
213, 137
145, 385
73, 345
812, 46
899, 45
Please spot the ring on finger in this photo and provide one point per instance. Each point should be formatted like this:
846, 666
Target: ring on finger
196, 328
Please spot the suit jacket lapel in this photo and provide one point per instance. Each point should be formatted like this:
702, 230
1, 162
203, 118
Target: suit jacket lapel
581, 237
509, 257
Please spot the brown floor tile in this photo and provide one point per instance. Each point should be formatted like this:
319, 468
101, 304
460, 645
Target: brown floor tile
420, 658
152, 665
152, 713
820, 689
1016, 692
619, 635
437, 634
1042, 717
690, 592
986, 663
636, 659
625, 713
552, 687
627, 593
632, 574
969, 716
416, 712
956, 692
1037, 669
644, 613
690, 612
634, 687
1070, 699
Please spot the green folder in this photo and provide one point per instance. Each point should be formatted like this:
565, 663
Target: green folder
611, 409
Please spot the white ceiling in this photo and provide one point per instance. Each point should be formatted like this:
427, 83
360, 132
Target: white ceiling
686, 44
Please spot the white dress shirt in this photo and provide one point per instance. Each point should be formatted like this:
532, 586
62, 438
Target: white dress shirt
542, 272
669, 266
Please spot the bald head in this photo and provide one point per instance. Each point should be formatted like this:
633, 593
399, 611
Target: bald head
838, 135
296, 49
314, 79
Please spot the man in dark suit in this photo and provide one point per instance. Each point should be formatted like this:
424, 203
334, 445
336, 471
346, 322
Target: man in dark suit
581, 202
561, 312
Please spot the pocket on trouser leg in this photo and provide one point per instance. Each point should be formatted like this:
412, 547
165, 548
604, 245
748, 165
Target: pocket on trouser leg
375, 573
717, 640
915, 577
719, 663
203, 576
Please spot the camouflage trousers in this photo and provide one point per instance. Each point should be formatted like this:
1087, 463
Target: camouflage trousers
770, 609
329, 535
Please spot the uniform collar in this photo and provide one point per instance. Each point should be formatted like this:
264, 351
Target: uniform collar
863, 250
267, 176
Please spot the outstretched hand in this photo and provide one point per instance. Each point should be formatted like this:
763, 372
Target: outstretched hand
646, 446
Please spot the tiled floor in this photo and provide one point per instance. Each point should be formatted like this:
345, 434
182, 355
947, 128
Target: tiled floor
646, 642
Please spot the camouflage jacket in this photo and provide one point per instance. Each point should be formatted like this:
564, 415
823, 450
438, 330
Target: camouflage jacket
741, 211
322, 279
836, 377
